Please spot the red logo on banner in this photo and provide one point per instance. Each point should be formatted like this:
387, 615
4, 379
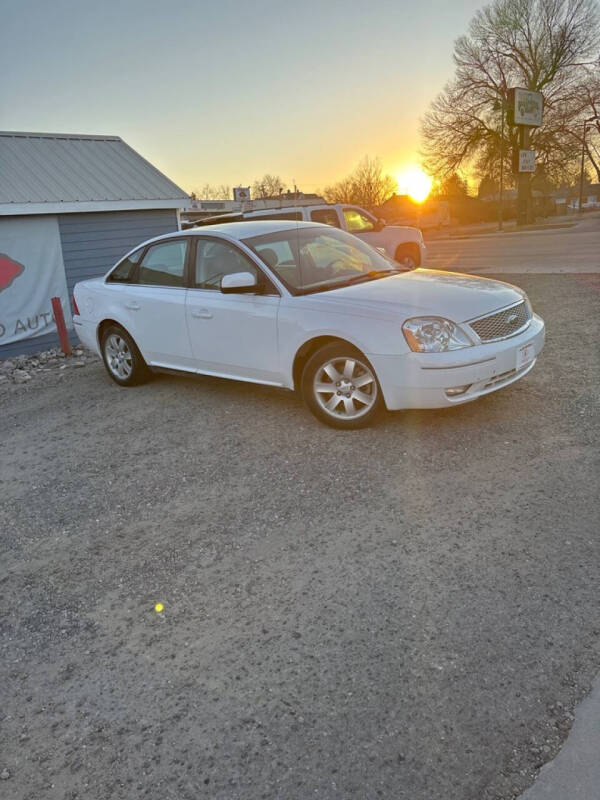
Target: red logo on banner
9, 270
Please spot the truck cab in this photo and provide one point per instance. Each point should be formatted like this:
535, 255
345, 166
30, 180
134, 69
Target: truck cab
402, 243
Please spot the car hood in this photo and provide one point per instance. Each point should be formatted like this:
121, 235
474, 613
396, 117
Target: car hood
419, 292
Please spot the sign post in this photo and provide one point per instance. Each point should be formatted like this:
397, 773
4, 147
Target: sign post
526, 111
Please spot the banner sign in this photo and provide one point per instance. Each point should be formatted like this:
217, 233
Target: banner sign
526, 160
526, 108
241, 193
31, 273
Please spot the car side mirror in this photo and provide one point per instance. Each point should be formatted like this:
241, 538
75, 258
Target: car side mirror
380, 224
239, 283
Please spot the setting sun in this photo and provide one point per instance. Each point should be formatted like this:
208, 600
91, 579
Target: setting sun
415, 183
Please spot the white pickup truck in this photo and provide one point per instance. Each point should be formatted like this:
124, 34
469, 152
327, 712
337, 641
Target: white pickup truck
400, 242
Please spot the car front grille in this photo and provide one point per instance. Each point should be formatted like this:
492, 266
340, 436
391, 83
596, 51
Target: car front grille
502, 324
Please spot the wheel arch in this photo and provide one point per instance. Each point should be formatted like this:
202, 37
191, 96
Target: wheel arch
411, 249
105, 323
306, 350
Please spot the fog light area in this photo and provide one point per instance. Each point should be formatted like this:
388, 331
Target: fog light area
457, 390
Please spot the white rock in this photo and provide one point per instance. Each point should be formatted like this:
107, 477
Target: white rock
20, 376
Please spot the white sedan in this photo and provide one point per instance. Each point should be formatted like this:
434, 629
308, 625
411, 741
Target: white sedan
311, 308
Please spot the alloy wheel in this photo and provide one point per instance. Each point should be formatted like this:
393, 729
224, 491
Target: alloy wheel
118, 356
345, 388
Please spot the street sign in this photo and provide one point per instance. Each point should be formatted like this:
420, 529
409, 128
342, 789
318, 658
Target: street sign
526, 160
525, 107
241, 193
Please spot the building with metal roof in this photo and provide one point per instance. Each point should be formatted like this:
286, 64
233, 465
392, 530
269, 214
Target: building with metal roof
70, 206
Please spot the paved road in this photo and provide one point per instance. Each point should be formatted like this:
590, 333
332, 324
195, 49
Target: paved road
407, 612
561, 250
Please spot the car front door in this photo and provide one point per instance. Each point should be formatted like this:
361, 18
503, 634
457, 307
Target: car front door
233, 335
155, 305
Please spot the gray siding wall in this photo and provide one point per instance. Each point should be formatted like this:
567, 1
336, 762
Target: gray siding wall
91, 244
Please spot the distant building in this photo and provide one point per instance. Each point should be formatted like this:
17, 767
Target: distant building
70, 207
567, 198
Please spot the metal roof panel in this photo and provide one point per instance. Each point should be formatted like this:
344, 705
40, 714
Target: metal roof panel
39, 168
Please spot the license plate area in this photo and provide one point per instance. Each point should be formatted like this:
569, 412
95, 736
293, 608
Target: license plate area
525, 354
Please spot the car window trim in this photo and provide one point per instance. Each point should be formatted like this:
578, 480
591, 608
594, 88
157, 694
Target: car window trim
192, 265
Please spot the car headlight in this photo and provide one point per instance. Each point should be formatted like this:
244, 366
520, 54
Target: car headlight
434, 335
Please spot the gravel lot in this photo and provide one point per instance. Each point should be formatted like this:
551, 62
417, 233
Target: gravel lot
409, 611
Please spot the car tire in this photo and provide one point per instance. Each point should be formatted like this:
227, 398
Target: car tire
122, 358
340, 387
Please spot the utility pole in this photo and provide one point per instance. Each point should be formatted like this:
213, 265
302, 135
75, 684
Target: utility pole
499, 105
501, 204
585, 124
524, 181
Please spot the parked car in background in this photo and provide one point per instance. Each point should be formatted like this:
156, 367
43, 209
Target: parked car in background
402, 243
307, 307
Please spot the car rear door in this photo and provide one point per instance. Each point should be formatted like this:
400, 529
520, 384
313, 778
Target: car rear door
233, 335
154, 303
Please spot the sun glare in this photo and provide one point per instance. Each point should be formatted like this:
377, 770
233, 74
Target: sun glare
415, 183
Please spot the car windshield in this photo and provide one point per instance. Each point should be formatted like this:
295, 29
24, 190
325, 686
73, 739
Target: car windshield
315, 259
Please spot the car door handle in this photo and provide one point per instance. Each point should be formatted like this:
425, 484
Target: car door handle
201, 313
133, 306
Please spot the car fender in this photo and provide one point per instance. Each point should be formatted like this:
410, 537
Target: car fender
297, 326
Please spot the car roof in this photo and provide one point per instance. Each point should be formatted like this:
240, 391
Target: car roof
246, 229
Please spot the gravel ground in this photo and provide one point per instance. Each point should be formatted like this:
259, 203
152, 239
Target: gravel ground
408, 612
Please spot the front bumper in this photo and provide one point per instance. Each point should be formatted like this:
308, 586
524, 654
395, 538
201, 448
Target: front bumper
420, 380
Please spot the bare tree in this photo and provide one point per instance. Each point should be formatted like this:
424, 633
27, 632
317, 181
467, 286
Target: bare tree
543, 45
340, 192
367, 186
268, 186
210, 192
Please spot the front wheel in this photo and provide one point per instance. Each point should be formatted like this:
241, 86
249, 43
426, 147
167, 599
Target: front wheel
340, 387
122, 359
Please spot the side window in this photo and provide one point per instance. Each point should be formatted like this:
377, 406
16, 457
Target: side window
327, 216
357, 222
215, 259
123, 272
164, 264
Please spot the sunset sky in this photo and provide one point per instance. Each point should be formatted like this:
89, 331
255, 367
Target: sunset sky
224, 92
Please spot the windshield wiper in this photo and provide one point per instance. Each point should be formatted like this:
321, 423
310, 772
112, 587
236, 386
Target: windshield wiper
370, 276
364, 276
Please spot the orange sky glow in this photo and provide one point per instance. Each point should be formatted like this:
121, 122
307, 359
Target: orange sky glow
224, 93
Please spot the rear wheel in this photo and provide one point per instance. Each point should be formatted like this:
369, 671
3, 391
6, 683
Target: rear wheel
340, 387
122, 359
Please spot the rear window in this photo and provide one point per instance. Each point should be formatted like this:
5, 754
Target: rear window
123, 272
